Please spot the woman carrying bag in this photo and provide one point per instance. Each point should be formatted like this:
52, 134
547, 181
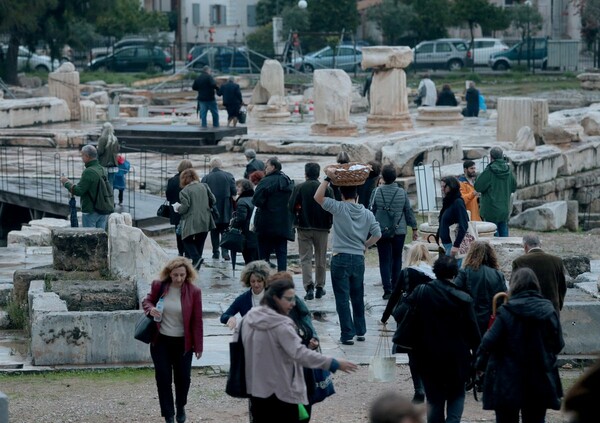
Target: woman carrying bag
176, 304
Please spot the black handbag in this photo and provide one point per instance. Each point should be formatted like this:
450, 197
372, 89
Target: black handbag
145, 329
407, 332
233, 239
164, 210
236, 379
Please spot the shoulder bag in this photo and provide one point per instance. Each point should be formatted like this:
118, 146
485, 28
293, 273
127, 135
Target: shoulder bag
145, 328
236, 379
164, 210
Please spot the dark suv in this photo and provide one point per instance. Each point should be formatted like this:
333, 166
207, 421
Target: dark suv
445, 53
220, 58
134, 59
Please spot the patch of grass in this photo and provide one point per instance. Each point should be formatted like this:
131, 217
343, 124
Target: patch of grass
128, 375
17, 315
114, 77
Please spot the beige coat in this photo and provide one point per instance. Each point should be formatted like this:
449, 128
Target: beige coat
196, 200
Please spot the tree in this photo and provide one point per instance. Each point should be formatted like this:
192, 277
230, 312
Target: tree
526, 18
476, 12
431, 19
385, 16
590, 26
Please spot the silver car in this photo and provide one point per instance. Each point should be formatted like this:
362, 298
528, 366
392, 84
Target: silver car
27, 60
343, 57
445, 53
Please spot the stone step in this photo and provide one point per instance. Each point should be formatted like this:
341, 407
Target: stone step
158, 229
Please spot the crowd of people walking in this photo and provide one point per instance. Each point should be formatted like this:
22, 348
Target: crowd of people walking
451, 299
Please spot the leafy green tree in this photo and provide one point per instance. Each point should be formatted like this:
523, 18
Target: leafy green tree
385, 15
431, 19
590, 25
295, 19
525, 17
261, 40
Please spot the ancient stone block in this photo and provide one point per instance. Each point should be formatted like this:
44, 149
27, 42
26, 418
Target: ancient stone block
576, 265
548, 217
572, 223
580, 158
525, 140
333, 91
535, 167
88, 111
80, 249
30, 236
591, 124
389, 101
387, 57
64, 84
33, 111
516, 112
96, 294
554, 134
100, 97
440, 116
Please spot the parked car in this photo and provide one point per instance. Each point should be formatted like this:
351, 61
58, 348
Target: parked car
343, 57
536, 50
26, 60
445, 53
483, 49
134, 59
220, 58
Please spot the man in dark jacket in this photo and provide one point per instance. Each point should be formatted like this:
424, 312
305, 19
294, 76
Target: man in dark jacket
253, 163
207, 87
496, 183
313, 225
549, 270
173, 190
232, 100
222, 185
273, 221
448, 338
472, 98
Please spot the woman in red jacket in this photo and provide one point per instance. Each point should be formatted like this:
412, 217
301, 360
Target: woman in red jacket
176, 303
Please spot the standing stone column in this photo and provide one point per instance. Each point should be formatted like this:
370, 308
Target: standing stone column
268, 101
64, 84
517, 112
333, 99
388, 94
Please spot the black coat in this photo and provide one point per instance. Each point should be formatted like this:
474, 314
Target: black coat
448, 334
446, 98
518, 355
206, 86
172, 194
409, 280
252, 166
272, 195
481, 284
309, 214
232, 95
472, 98
222, 185
243, 213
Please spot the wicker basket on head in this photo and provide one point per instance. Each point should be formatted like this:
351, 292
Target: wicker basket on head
349, 174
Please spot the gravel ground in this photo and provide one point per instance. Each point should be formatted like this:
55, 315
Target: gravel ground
130, 395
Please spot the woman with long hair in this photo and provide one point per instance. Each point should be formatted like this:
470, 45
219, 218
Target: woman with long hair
176, 302
518, 354
481, 278
453, 212
196, 219
275, 356
417, 271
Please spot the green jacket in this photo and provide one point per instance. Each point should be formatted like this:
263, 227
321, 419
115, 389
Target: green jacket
495, 184
87, 188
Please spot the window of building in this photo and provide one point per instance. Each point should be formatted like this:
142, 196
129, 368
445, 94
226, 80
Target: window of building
217, 15
251, 15
196, 14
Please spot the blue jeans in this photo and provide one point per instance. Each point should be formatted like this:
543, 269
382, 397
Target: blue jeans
94, 220
501, 229
390, 260
443, 400
204, 107
448, 248
347, 277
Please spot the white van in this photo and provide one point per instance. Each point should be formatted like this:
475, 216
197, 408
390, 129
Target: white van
484, 48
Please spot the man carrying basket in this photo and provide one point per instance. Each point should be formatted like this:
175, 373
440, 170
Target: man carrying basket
352, 223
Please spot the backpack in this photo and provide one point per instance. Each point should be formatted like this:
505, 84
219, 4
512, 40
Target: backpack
104, 203
385, 216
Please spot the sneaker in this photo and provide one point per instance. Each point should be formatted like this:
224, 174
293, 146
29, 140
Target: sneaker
216, 256
418, 398
386, 295
347, 342
360, 338
310, 294
320, 292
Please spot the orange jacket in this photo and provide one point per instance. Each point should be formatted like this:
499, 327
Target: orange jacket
468, 194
